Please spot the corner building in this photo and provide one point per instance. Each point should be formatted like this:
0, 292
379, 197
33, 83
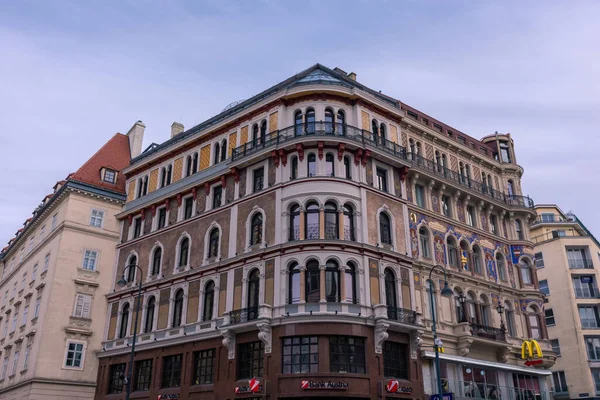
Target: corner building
274, 243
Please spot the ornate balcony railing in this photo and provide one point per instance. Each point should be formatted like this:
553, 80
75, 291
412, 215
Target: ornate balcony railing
243, 315
349, 234
331, 232
402, 315
488, 332
294, 233
313, 231
365, 137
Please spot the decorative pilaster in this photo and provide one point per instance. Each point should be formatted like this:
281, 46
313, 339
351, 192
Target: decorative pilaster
322, 283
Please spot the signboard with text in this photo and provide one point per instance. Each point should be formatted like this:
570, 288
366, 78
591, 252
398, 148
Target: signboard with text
331, 385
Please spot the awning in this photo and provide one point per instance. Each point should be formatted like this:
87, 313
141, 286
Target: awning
489, 364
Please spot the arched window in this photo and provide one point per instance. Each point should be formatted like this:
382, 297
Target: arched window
294, 168
156, 260
331, 221
501, 267
149, 324
310, 121
477, 260
217, 153
385, 228
224, 150
184, 251
347, 167
461, 169
526, 276
445, 165
329, 165
391, 299
419, 149
213, 243
350, 277
313, 282
452, 250
140, 184
298, 123
145, 185
382, 133
131, 269
311, 217
468, 173
459, 306
341, 123
169, 173
195, 163
256, 229
328, 121
124, 321
413, 150
254, 135
312, 165
294, 222
471, 308
209, 301
489, 181
519, 229
510, 319
263, 132
375, 128
188, 166
163, 177
332, 282
177, 308
511, 188
535, 325
438, 161
253, 291
424, 240
294, 283
484, 306
348, 222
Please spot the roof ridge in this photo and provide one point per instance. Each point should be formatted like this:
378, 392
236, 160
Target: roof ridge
95, 154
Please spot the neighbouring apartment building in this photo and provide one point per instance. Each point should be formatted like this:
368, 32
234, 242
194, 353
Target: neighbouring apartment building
567, 257
288, 239
55, 274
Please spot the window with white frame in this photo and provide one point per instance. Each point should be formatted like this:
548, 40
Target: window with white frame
30, 244
560, 382
555, 346
217, 197
74, 356
161, 217
96, 218
46, 262
13, 370
15, 319
136, 230
89, 260
42, 232
83, 304
420, 195
188, 207
471, 215
36, 309
54, 222
26, 357
4, 367
109, 175
23, 280
382, 179
25, 313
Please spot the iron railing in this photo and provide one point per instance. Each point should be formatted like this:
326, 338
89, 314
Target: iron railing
349, 234
581, 263
364, 137
402, 315
488, 332
331, 232
294, 233
243, 315
547, 218
313, 231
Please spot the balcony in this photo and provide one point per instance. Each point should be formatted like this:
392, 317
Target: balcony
488, 332
402, 315
587, 293
243, 315
581, 263
550, 219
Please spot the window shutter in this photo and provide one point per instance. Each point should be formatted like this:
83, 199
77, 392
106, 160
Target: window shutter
79, 305
87, 301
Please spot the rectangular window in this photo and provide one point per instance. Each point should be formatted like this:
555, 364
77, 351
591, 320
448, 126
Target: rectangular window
596, 376
555, 346
89, 260
437, 127
115, 378
162, 217
544, 286
171, 376
593, 347
25, 313
395, 360
446, 206
15, 319
143, 375
42, 232
46, 262
420, 195
217, 196
494, 224
471, 215
26, 357
137, 227
578, 259
412, 114
560, 382
36, 310
23, 280
585, 287
589, 317
188, 207
382, 179
54, 222
13, 370
549, 317
547, 217
250, 361
347, 354
109, 176
4, 367
425, 121
300, 354
30, 244
204, 367
83, 304
74, 358
258, 177
504, 152
96, 218
539, 260
462, 140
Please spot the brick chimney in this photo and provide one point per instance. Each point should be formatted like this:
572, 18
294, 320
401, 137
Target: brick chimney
176, 128
352, 76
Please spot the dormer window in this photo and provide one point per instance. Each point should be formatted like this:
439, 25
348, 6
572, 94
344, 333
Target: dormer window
109, 175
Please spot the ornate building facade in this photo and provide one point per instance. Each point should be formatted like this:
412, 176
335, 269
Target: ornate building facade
55, 273
288, 239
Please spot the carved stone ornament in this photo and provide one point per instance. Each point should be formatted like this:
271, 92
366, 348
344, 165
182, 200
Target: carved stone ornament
229, 343
264, 335
503, 354
381, 336
416, 341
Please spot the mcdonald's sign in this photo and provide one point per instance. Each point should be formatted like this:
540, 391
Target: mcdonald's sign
528, 347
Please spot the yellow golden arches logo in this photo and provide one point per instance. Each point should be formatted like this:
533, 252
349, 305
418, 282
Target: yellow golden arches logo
528, 347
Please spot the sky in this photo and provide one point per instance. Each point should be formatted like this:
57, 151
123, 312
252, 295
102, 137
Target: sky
73, 73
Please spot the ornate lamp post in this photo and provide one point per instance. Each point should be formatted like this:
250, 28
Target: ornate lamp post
437, 343
500, 309
461, 300
122, 282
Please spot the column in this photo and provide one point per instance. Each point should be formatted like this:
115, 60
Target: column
302, 284
429, 194
454, 205
341, 223
342, 270
321, 222
302, 224
322, 283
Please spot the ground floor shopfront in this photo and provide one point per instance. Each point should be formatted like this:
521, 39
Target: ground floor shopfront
307, 360
466, 377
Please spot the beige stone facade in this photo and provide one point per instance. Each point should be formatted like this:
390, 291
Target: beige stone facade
567, 257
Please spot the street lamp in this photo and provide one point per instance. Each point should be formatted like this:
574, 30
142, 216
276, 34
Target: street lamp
461, 300
500, 309
123, 282
437, 343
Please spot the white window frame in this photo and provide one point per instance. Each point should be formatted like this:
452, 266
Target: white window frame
92, 217
181, 216
75, 342
95, 259
4, 366
54, 222
156, 217
13, 369
83, 297
42, 232
46, 263
36, 307
25, 314
30, 244
205, 257
209, 203
253, 169
389, 177
26, 358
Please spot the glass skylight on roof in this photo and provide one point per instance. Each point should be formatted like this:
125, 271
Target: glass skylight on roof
317, 76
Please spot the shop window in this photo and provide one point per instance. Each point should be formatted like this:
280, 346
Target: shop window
347, 354
395, 360
171, 374
300, 354
250, 360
